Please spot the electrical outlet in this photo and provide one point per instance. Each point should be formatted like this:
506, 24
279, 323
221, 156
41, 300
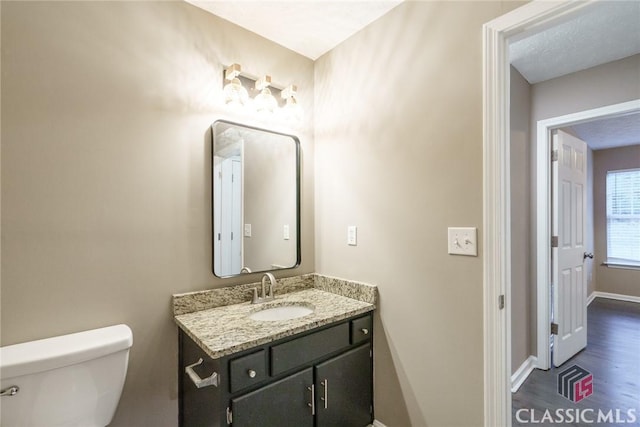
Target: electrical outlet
463, 241
247, 230
285, 232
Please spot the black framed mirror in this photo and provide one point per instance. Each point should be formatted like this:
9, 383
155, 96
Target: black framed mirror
256, 199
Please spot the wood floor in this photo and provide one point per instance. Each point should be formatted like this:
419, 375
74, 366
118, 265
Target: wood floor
612, 356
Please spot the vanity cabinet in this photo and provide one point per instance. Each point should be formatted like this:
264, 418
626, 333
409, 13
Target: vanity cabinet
322, 377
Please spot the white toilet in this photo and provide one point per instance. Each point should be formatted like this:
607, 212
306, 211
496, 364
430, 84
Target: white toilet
68, 381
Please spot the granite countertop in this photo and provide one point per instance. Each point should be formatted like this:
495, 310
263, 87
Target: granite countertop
225, 330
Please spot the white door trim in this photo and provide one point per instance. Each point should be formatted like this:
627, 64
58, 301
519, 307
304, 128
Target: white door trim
543, 235
496, 201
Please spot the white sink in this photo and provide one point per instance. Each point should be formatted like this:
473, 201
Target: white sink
282, 312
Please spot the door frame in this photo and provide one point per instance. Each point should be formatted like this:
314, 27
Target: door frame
543, 212
533, 16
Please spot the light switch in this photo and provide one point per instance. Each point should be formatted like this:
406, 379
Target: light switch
285, 232
352, 235
247, 230
463, 241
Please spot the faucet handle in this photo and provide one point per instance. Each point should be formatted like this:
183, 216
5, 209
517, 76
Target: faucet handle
255, 298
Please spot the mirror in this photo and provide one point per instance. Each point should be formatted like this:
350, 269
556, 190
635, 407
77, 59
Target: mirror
256, 199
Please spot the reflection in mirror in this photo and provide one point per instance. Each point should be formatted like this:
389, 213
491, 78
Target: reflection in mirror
256, 200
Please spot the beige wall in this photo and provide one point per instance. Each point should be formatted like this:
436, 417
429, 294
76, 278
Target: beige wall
614, 280
522, 288
106, 175
607, 84
399, 154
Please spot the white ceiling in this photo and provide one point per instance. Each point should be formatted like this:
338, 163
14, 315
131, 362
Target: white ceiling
308, 27
610, 132
601, 33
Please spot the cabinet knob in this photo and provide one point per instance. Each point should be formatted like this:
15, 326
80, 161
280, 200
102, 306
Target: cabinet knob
365, 331
252, 373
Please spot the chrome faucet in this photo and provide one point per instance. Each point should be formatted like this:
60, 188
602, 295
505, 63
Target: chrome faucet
265, 297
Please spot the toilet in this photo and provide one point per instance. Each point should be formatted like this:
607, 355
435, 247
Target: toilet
72, 380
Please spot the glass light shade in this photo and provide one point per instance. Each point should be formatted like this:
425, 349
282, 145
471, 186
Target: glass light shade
234, 93
265, 102
292, 110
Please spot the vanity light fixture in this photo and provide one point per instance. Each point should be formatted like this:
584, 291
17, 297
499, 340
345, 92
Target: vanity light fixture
235, 95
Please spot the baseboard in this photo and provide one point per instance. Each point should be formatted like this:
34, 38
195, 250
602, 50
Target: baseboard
377, 423
591, 298
519, 377
619, 297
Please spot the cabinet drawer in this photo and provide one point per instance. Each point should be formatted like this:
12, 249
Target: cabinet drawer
302, 350
247, 370
361, 329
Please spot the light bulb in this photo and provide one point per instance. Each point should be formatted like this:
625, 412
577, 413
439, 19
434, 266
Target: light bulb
292, 110
265, 102
234, 93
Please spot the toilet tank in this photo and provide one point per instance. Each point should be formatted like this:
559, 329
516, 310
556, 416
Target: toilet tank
67, 381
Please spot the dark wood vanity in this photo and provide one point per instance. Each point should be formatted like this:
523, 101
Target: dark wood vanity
322, 377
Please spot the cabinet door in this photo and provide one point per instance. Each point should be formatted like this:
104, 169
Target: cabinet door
284, 403
344, 389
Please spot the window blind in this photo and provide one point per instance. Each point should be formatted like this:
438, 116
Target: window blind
623, 217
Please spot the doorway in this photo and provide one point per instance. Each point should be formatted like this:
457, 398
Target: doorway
536, 16
543, 207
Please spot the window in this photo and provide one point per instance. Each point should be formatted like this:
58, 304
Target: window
623, 217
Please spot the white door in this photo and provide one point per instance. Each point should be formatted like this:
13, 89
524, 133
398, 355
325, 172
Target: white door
226, 228
236, 217
227, 216
217, 215
568, 224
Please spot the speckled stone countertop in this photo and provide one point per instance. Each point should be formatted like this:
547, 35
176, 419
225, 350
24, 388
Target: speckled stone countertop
225, 330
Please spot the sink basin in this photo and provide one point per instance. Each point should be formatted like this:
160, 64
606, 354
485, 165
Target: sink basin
282, 312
